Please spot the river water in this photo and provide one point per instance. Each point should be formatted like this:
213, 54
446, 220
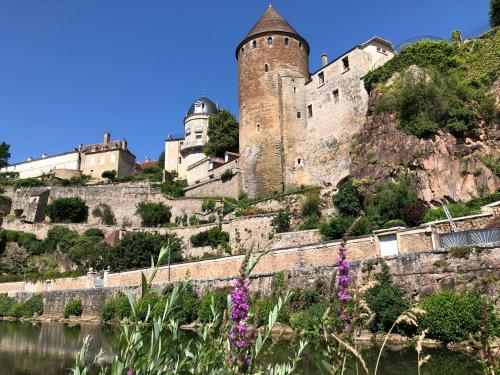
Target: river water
49, 349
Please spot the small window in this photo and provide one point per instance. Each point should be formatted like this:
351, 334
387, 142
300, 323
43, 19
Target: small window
345, 62
180, 160
300, 45
321, 77
287, 41
298, 114
269, 41
294, 89
384, 50
242, 51
258, 128
378, 48
310, 110
336, 96
299, 161
266, 67
254, 44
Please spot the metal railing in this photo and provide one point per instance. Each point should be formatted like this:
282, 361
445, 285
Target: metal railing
470, 237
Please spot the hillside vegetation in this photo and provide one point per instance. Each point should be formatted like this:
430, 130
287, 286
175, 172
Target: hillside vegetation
434, 114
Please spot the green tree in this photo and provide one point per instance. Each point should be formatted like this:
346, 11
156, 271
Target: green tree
67, 210
135, 250
223, 133
494, 13
153, 214
348, 200
161, 160
4, 154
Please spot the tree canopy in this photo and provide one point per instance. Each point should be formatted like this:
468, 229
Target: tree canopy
223, 133
161, 160
494, 13
4, 154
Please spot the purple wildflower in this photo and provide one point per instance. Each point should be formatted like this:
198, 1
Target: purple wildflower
239, 314
343, 284
130, 372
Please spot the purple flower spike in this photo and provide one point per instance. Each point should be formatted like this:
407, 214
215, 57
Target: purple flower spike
343, 279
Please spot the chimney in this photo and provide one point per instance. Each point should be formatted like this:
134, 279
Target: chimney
124, 144
44, 155
30, 158
107, 137
324, 59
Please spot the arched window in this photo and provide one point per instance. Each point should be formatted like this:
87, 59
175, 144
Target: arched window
286, 41
269, 41
258, 128
266, 67
242, 51
254, 44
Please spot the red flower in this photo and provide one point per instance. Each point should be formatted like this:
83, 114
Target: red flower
250, 212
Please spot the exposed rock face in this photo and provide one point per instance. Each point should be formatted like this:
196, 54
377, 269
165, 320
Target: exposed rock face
448, 168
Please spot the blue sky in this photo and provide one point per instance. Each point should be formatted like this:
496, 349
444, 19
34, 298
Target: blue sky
70, 70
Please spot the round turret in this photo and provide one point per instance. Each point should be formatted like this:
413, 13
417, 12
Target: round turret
271, 50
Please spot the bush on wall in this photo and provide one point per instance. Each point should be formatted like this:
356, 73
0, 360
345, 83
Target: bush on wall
74, 307
213, 237
153, 214
104, 212
67, 210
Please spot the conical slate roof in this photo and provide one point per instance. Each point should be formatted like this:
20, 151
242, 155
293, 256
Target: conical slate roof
271, 22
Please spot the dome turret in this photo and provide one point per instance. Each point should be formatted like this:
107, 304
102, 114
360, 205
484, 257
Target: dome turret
202, 106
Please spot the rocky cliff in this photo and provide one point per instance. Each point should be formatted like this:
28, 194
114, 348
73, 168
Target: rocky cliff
448, 168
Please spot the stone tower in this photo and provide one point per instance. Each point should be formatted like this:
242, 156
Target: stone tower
272, 56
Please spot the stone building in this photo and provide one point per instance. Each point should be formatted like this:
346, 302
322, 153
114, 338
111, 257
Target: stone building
296, 126
184, 154
32, 168
89, 160
107, 156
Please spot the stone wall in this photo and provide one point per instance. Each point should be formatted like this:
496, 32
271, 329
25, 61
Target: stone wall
216, 187
122, 198
418, 274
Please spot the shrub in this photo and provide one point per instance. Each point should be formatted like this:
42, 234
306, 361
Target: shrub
310, 319
94, 232
455, 209
73, 307
494, 13
385, 301
88, 252
153, 214
413, 214
67, 210
193, 220
28, 182
135, 250
336, 227
59, 237
219, 299
104, 212
187, 306
30, 243
116, 307
227, 175
281, 221
174, 189
34, 305
110, 175
311, 222
213, 237
348, 199
389, 199
17, 310
262, 307
450, 316
394, 223
208, 205
310, 205
6, 303
145, 303
5, 199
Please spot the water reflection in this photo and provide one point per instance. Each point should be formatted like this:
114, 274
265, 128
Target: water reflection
42, 349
